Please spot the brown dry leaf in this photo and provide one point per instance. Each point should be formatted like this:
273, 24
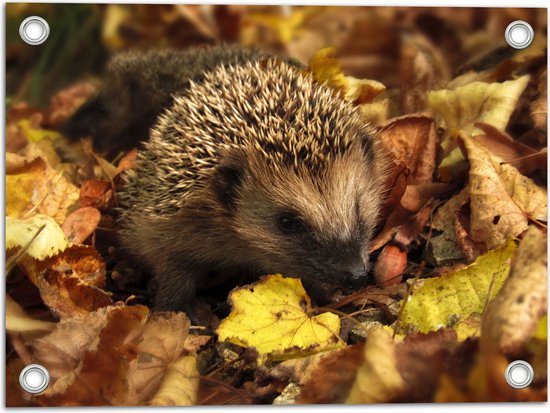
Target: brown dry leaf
14, 396
501, 199
512, 318
162, 343
80, 224
422, 68
378, 379
71, 282
445, 246
180, 385
326, 378
107, 169
524, 158
484, 381
411, 139
96, 193
414, 198
65, 102
16, 136
88, 357
539, 107
127, 162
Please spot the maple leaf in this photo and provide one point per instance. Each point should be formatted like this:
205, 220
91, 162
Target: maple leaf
273, 316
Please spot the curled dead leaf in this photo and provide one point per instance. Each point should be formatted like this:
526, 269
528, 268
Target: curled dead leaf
80, 224
412, 139
501, 199
70, 283
512, 318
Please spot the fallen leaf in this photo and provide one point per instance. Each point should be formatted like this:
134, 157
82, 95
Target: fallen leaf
180, 384
413, 200
127, 162
445, 300
273, 316
422, 68
64, 103
512, 318
87, 358
50, 241
501, 199
37, 187
70, 283
21, 181
378, 380
96, 193
329, 376
326, 68
500, 144
462, 107
411, 139
539, 107
35, 135
80, 224
162, 343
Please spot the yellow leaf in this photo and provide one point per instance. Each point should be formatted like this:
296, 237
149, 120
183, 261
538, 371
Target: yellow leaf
36, 135
469, 327
378, 379
491, 103
445, 300
34, 186
284, 27
273, 316
461, 108
180, 384
326, 68
50, 241
20, 187
541, 331
501, 199
115, 16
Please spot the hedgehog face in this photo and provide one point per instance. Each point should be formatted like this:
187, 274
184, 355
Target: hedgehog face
309, 224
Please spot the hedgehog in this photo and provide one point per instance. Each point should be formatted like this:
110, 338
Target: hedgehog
255, 169
138, 86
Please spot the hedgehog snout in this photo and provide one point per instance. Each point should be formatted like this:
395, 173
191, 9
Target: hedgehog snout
356, 273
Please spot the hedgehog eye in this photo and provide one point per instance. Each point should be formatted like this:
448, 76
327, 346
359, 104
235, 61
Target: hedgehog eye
289, 223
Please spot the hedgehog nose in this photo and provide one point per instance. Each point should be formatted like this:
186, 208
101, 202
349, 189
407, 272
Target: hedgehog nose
357, 272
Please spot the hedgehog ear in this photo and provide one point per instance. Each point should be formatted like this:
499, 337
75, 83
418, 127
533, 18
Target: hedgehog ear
227, 179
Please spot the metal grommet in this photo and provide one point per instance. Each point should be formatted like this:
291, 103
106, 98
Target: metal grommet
519, 34
34, 378
34, 30
519, 374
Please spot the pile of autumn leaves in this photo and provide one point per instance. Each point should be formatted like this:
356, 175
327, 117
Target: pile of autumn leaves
452, 336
